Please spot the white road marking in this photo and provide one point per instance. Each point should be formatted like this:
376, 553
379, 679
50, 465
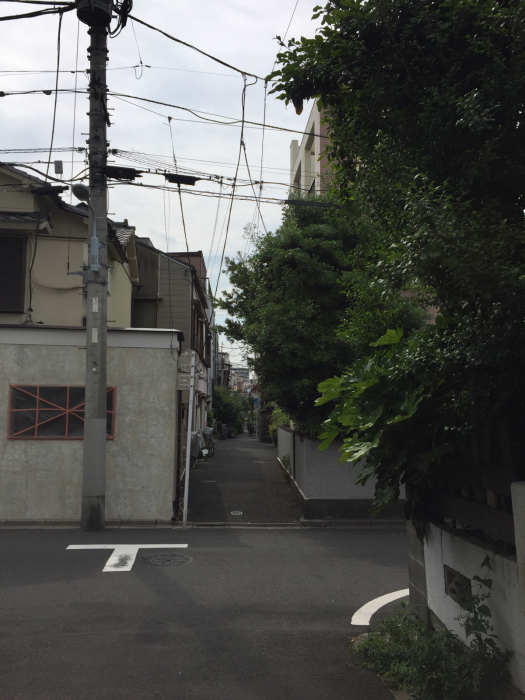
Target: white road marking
362, 616
124, 555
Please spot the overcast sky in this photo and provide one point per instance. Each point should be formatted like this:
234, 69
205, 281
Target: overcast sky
240, 33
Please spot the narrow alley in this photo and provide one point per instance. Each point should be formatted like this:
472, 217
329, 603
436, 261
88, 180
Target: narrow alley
241, 483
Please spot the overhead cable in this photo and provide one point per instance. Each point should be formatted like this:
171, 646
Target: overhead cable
40, 13
179, 41
195, 112
241, 143
56, 95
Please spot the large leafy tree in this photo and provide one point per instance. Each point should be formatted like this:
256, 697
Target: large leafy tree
303, 304
425, 104
286, 305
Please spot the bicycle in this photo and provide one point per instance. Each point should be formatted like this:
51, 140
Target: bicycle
208, 441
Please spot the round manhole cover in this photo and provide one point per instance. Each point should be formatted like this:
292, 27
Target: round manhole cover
166, 559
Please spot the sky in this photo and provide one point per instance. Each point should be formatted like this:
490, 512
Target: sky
239, 33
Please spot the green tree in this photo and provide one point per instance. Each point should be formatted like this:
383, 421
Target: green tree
228, 407
294, 304
425, 103
286, 306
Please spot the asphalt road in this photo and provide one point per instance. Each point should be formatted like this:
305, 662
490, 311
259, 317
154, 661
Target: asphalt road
258, 614
243, 476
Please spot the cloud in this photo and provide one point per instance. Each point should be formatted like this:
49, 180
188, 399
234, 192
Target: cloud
240, 33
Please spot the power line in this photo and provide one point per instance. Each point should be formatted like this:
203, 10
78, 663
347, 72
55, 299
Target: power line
196, 113
80, 149
253, 188
145, 65
72, 149
215, 226
38, 2
241, 143
179, 41
138, 50
56, 95
40, 13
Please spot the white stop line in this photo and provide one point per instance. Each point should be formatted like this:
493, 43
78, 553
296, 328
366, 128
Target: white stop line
363, 615
124, 555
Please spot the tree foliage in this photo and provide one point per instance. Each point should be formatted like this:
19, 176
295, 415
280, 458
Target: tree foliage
286, 306
424, 102
293, 296
228, 407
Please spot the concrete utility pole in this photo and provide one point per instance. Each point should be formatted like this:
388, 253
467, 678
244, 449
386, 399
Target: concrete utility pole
188, 443
98, 16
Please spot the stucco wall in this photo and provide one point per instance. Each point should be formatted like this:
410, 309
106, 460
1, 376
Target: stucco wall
119, 300
320, 474
285, 448
41, 479
506, 599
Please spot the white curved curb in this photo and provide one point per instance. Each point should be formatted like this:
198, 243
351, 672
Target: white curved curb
362, 616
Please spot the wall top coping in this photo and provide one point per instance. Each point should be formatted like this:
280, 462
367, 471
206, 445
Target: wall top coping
156, 338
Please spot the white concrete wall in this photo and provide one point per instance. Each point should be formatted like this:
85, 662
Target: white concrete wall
285, 447
321, 474
506, 599
41, 479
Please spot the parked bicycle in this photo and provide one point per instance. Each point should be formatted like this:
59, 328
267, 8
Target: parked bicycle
208, 441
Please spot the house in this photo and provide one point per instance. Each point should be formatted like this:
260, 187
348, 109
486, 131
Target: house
223, 370
307, 164
43, 248
174, 292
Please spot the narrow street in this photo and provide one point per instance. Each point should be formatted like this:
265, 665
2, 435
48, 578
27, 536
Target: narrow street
252, 613
242, 477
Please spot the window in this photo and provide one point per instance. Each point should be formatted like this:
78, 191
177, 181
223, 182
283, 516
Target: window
52, 412
12, 277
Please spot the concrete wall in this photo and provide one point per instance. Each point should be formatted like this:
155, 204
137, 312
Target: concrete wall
306, 162
41, 479
324, 486
506, 602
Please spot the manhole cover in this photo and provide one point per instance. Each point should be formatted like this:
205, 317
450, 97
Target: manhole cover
166, 559
236, 512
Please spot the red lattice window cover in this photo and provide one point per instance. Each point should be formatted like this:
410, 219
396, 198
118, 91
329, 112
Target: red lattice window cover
43, 412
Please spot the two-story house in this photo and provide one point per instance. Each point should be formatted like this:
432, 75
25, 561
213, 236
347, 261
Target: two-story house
43, 247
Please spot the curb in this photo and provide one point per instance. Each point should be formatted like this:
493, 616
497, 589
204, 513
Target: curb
177, 525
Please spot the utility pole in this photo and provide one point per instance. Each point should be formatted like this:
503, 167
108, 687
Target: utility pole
188, 443
98, 16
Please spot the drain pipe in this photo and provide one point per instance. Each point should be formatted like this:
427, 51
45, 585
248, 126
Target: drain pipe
188, 443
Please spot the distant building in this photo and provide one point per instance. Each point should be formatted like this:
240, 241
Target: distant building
175, 293
224, 367
307, 166
243, 372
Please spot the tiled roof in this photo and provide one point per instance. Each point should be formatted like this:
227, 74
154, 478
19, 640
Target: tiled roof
24, 217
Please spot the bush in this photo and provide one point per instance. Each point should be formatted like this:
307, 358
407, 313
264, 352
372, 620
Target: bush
278, 417
432, 664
